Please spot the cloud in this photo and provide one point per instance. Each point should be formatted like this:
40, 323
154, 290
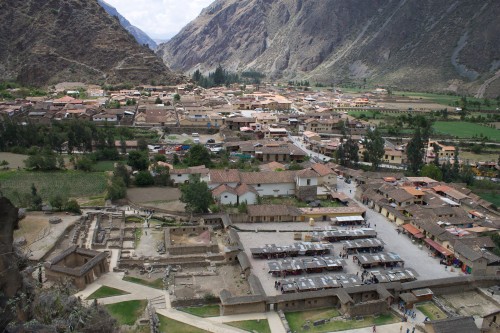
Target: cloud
160, 19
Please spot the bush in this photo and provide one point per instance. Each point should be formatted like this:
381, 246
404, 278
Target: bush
73, 207
144, 178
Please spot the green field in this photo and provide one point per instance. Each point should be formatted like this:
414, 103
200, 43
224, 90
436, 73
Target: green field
297, 320
443, 99
69, 184
462, 129
102, 166
170, 325
431, 311
126, 313
203, 311
157, 284
492, 197
106, 291
260, 326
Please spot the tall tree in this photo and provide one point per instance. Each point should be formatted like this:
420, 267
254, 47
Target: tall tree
374, 144
198, 155
196, 195
415, 153
219, 76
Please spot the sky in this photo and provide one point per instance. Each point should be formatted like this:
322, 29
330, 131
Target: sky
160, 19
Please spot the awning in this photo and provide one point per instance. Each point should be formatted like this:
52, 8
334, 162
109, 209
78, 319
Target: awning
438, 247
413, 230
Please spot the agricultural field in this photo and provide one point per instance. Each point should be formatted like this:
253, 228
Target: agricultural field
431, 311
443, 99
462, 129
69, 184
15, 160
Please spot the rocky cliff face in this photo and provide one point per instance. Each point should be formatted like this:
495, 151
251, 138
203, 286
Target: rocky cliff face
45, 42
140, 36
10, 277
413, 44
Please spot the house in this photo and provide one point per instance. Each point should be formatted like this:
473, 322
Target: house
278, 152
272, 166
476, 260
181, 176
228, 195
326, 176
392, 156
321, 125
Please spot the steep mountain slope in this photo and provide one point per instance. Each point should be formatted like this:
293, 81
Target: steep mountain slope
44, 42
414, 44
140, 36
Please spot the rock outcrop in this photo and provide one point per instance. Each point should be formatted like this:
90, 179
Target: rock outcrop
46, 42
411, 44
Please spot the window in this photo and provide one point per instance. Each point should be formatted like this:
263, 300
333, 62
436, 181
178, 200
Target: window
308, 182
225, 197
258, 185
392, 158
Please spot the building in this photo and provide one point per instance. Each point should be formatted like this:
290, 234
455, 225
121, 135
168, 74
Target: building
455, 325
227, 195
181, 176
81, 266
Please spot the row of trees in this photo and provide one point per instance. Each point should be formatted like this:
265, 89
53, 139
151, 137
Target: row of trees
222, 77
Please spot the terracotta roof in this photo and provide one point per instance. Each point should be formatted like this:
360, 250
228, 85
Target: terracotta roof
219, 190
333, 210
245, 188
268, 177
225, 176
413, 191
271, 166
322, 169
307, 173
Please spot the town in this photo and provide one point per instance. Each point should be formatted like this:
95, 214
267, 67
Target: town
260, 207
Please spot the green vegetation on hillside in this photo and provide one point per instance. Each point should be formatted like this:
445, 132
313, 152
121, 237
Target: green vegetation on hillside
157, 284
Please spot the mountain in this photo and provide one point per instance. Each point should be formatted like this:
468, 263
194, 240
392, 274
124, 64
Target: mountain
46, 42
140, 36
409, 44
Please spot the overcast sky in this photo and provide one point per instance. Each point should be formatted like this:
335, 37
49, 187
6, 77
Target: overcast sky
160, 19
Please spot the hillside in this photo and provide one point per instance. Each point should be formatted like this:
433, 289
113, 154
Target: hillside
140, 36
45, 42
409, 44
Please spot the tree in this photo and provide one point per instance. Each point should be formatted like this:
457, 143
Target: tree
347, 153
432, 171
73, 207
196, 195
138, 160
198, 155
415, 153
42, 160
374, 144
144, 178
116, 189
57, 201
84, 163
467, 175
197, 76
142, 144
161, 175
122, 172
158, 100
218, 76
176, 159
160, 158
177, 98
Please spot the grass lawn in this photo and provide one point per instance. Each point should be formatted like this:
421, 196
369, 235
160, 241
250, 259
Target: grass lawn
170, 325
106, 291
261, 326
102, 166
464, 129
492, 197
126, 313
431, 310
296, 320
157, 284
203, 311
69, 184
